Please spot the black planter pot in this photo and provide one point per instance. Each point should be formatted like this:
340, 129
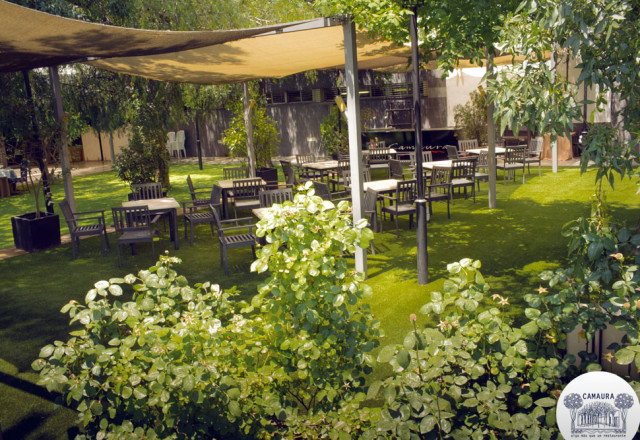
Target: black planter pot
31, 233
269, 175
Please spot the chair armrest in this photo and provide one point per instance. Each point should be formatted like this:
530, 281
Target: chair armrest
78, 214
237, 221
383, 196
439, 185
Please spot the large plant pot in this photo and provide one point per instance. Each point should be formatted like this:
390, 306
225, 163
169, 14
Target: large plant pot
31, 233
269, 175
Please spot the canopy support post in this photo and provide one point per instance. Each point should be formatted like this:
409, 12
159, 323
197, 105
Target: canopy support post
421, 202
491, 141
251, 154
355, 141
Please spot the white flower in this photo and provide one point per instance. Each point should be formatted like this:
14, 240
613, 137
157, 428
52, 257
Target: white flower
213, 328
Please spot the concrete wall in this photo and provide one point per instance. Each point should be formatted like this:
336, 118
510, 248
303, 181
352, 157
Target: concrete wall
91, 145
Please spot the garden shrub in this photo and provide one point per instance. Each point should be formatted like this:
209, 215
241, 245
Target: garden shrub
473, 377
173, 361
144, 160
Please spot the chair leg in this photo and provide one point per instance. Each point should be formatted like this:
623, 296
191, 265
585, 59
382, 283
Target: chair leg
191, 224
226, 262
397, 229
106, 237
119, 256
185, 226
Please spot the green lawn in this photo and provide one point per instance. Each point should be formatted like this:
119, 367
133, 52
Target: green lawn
514, 242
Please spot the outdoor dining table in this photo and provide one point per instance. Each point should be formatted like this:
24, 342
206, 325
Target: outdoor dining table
227, 187
437, 163
477, 151
164, 205
5, 175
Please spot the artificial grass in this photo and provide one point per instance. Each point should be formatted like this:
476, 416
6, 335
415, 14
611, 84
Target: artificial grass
514, 242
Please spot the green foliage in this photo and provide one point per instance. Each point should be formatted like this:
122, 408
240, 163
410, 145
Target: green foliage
139, 161
471, 118
265, 135
320, 331
474, 376
334, 132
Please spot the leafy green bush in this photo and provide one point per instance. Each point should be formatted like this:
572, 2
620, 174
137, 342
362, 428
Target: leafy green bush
334, 132
471, 118
179, 362
143, 160
473, 377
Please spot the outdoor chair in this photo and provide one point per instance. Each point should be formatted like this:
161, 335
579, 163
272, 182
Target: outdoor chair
242, 235
371, 212
379, 158
179, 148
322, 190
79, 226
467, 144
304, 172
22, 180
290, 178
396, 171
204, 195
463, 175
482, 168
439, 188
534, 154
335, 179
514, 160
195, 216
171, 142
146, 191
452, 151
235, 173
133, 225
275, 196
246, 194
401, 203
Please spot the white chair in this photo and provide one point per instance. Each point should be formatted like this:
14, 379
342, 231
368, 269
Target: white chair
179, 148
171, 141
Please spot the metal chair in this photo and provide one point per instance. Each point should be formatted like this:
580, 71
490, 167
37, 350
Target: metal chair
402, 203
379, 158
193, 216
235, 173
439, 188
534, 154
234, 240
463, 175
246, 194
514, 159
78, 229
272, 196
146, 191
133, 225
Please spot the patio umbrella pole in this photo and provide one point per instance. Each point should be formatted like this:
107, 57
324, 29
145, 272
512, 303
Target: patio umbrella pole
421, 203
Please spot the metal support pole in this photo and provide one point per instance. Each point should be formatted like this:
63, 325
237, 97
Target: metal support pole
198, 145
251, 154
355, 142
421, 203
491, 142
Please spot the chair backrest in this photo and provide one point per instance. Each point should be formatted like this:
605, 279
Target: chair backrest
180, 138
427, 156
515, 154
275, 196
463, 168
134, 217
191, 189
289, 175
247, 188
370, 201
441, 176
68, 214
216, 194
216, 220
395, 169
467, 144
235, 173
304, 158
322, 190
344, 157
535, 147
406, 192
346, 176
146, 191
171, 136
379, 155
452, 151
483, 160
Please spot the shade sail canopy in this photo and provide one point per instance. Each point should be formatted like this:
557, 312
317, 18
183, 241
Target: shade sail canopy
30, 39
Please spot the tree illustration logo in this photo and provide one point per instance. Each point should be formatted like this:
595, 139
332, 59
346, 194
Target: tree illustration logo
598, 405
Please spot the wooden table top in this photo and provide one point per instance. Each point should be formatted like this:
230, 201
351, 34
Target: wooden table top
154, 204
228, 184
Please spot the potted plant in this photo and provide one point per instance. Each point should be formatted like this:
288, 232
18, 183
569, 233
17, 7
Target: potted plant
36, 230
334, 133
265, 140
